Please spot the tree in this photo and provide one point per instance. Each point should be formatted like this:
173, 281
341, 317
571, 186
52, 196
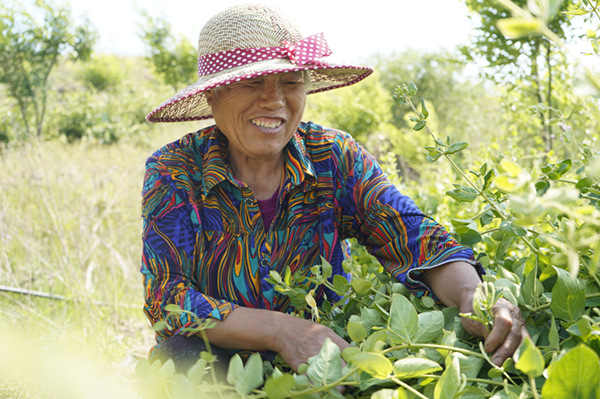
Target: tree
31, 50
530, 61
175, 59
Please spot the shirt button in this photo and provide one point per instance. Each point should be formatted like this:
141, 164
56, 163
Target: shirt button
264, 262
249, 201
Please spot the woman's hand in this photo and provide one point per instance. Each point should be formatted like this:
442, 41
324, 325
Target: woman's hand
293, 338
507, 333
454, 283
299, 339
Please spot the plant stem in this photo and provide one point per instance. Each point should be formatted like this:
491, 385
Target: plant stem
434, 346
492, 202
479, 380
533, 387
547, 305
408, 387
326, 387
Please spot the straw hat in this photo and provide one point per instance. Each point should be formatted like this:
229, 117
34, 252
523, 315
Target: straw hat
244, 42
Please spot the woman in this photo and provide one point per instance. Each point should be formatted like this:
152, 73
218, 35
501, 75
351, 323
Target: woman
264, 191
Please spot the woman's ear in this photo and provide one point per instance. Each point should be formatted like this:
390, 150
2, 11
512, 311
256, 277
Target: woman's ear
208, 94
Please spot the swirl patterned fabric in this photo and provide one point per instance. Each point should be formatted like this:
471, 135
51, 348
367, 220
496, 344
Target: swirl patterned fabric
205, 247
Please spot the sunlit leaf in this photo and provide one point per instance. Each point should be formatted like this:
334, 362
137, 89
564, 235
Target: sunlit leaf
463, 194
356, 331
431, 325
529, 359
413, 367
374, 364
326, 367
403, 322
456, 147
449, 384
568, 297
575, 375
279, 386
516, 28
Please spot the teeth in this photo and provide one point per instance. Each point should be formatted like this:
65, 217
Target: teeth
265, 123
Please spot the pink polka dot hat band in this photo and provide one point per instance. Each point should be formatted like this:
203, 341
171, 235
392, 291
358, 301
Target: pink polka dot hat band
245, 42
301, 53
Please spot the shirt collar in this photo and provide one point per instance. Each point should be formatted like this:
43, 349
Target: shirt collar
216, 169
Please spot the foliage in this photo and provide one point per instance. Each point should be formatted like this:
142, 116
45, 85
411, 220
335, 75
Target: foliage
31, 51
384, 129
515, 57
174, 59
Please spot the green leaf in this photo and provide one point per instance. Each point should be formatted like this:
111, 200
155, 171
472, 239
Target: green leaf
511, 229
275, 276
568, 297
340, 284
584, 183
456, 147
399, 393
412, 89
419, 125
326, 367
433, 156
374, 364
431, 325
182, 387
553, 337
197, 372
356, 331
449, 384
488, 178
503, 246
532, 288
245, 379
361, 286
167, 369
515, 28
236, 369
326, 268
404, 321
529, 359
557, 170
253, 375
414, 367
424, 109
470, 366
468, 236
575, 375
280, 386
463, 194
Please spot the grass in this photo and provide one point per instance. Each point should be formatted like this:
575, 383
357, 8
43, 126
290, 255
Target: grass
70, 227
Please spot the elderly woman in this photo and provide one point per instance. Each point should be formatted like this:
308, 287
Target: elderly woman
261, 190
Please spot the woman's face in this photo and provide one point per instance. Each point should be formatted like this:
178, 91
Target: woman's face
259, 116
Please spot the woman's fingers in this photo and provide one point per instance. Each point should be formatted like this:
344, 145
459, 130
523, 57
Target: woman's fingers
508, 331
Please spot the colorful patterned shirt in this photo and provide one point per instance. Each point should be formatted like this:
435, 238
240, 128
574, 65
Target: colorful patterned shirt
205, 247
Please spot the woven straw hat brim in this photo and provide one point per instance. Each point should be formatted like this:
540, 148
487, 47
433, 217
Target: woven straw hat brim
190, 103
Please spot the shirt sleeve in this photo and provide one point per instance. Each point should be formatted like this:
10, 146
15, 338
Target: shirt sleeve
168, 255
389, 224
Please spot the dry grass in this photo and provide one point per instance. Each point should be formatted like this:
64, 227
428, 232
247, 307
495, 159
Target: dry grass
70, 227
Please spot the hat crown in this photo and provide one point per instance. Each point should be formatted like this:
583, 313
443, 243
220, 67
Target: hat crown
246, 27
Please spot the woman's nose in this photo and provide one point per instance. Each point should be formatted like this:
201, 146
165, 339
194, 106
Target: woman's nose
272, 95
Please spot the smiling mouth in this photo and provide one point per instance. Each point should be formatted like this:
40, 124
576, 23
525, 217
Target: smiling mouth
267, 123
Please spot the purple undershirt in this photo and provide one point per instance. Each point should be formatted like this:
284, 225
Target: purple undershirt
267, 209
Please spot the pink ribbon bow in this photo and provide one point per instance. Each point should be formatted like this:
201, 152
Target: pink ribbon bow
301, 53
307, 49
